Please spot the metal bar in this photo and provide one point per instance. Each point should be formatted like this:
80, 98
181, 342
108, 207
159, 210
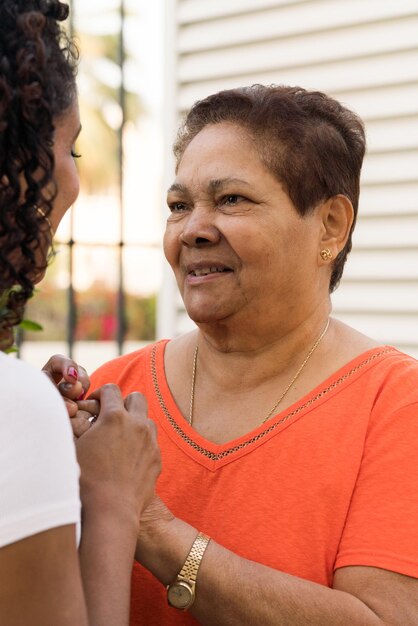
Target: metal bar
72, 314
105, 244
121, 329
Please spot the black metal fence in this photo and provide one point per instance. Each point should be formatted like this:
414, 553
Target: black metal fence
101, 313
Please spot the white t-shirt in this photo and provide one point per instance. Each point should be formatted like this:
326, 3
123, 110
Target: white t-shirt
38, 467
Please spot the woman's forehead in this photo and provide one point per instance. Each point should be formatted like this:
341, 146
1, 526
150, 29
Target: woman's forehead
215, 146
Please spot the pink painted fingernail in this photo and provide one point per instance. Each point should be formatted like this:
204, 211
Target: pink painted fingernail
73, 373
81, 396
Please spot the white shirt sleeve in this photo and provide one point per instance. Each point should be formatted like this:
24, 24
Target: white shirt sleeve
38, 467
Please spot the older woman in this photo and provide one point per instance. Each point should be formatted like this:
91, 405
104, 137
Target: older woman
289, 484
44, 581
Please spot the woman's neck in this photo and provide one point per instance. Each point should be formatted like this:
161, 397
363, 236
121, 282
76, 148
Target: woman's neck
237, 384
251, 357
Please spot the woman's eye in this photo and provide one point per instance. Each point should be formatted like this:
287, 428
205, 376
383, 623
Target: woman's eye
231, 199
177, 206
75, 154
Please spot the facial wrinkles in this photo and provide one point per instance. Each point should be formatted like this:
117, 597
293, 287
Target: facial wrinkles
208, 179
208, 195
258, 237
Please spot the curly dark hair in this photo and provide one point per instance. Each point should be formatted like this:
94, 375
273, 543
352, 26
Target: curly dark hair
310, 142
38, 65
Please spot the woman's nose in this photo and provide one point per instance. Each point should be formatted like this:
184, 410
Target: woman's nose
199, 228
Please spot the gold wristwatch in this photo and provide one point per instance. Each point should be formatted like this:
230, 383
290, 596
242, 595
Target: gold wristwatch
181, 593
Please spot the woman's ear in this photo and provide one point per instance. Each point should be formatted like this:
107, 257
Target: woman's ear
337, 215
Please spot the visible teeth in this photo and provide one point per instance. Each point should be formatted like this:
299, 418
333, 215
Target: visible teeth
207, 270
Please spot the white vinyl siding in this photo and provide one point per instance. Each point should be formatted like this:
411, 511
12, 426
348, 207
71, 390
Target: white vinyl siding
364, 53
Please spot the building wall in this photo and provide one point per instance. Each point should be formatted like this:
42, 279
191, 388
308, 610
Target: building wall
364, 53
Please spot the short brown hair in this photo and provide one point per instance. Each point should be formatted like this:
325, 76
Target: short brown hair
310, 142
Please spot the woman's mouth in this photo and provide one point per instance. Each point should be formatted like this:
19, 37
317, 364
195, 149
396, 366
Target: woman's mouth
204, 271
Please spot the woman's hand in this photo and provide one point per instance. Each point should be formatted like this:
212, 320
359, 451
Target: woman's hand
155, 513
158, 535
119, 455
82, 420
70, 378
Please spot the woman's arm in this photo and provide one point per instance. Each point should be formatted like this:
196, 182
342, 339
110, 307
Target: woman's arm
106, 555
235, 591
43, 581
40, 581
120, 462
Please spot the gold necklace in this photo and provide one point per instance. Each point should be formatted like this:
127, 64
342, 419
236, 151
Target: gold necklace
272, 410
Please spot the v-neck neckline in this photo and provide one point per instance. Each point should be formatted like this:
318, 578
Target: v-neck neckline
213, 455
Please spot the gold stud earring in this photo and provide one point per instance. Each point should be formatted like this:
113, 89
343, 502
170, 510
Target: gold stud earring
326, 254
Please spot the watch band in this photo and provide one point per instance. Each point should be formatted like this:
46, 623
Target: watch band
182, 592
192, 563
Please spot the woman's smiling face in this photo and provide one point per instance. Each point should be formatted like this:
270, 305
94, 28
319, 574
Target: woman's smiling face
234, 239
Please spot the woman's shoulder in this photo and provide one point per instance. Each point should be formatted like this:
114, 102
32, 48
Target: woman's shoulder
380, 370
351, 345
347, 343
122, 368
38, 467
398, 373
384, 377
31, 405
21, 383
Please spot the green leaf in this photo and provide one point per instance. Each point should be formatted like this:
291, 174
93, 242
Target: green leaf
30, 325
11, 350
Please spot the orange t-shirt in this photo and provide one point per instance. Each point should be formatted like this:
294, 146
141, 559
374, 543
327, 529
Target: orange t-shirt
331, 481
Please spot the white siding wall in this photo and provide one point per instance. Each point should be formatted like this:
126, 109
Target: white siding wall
363, 52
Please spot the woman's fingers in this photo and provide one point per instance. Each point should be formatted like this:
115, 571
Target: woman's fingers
109, 396
82, 417
71, 391
90, 406
71, 377
80, 423
108, 404
59, 367
71, 407
137, 404
118, 455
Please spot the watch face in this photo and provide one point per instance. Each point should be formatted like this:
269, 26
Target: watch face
180, 595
